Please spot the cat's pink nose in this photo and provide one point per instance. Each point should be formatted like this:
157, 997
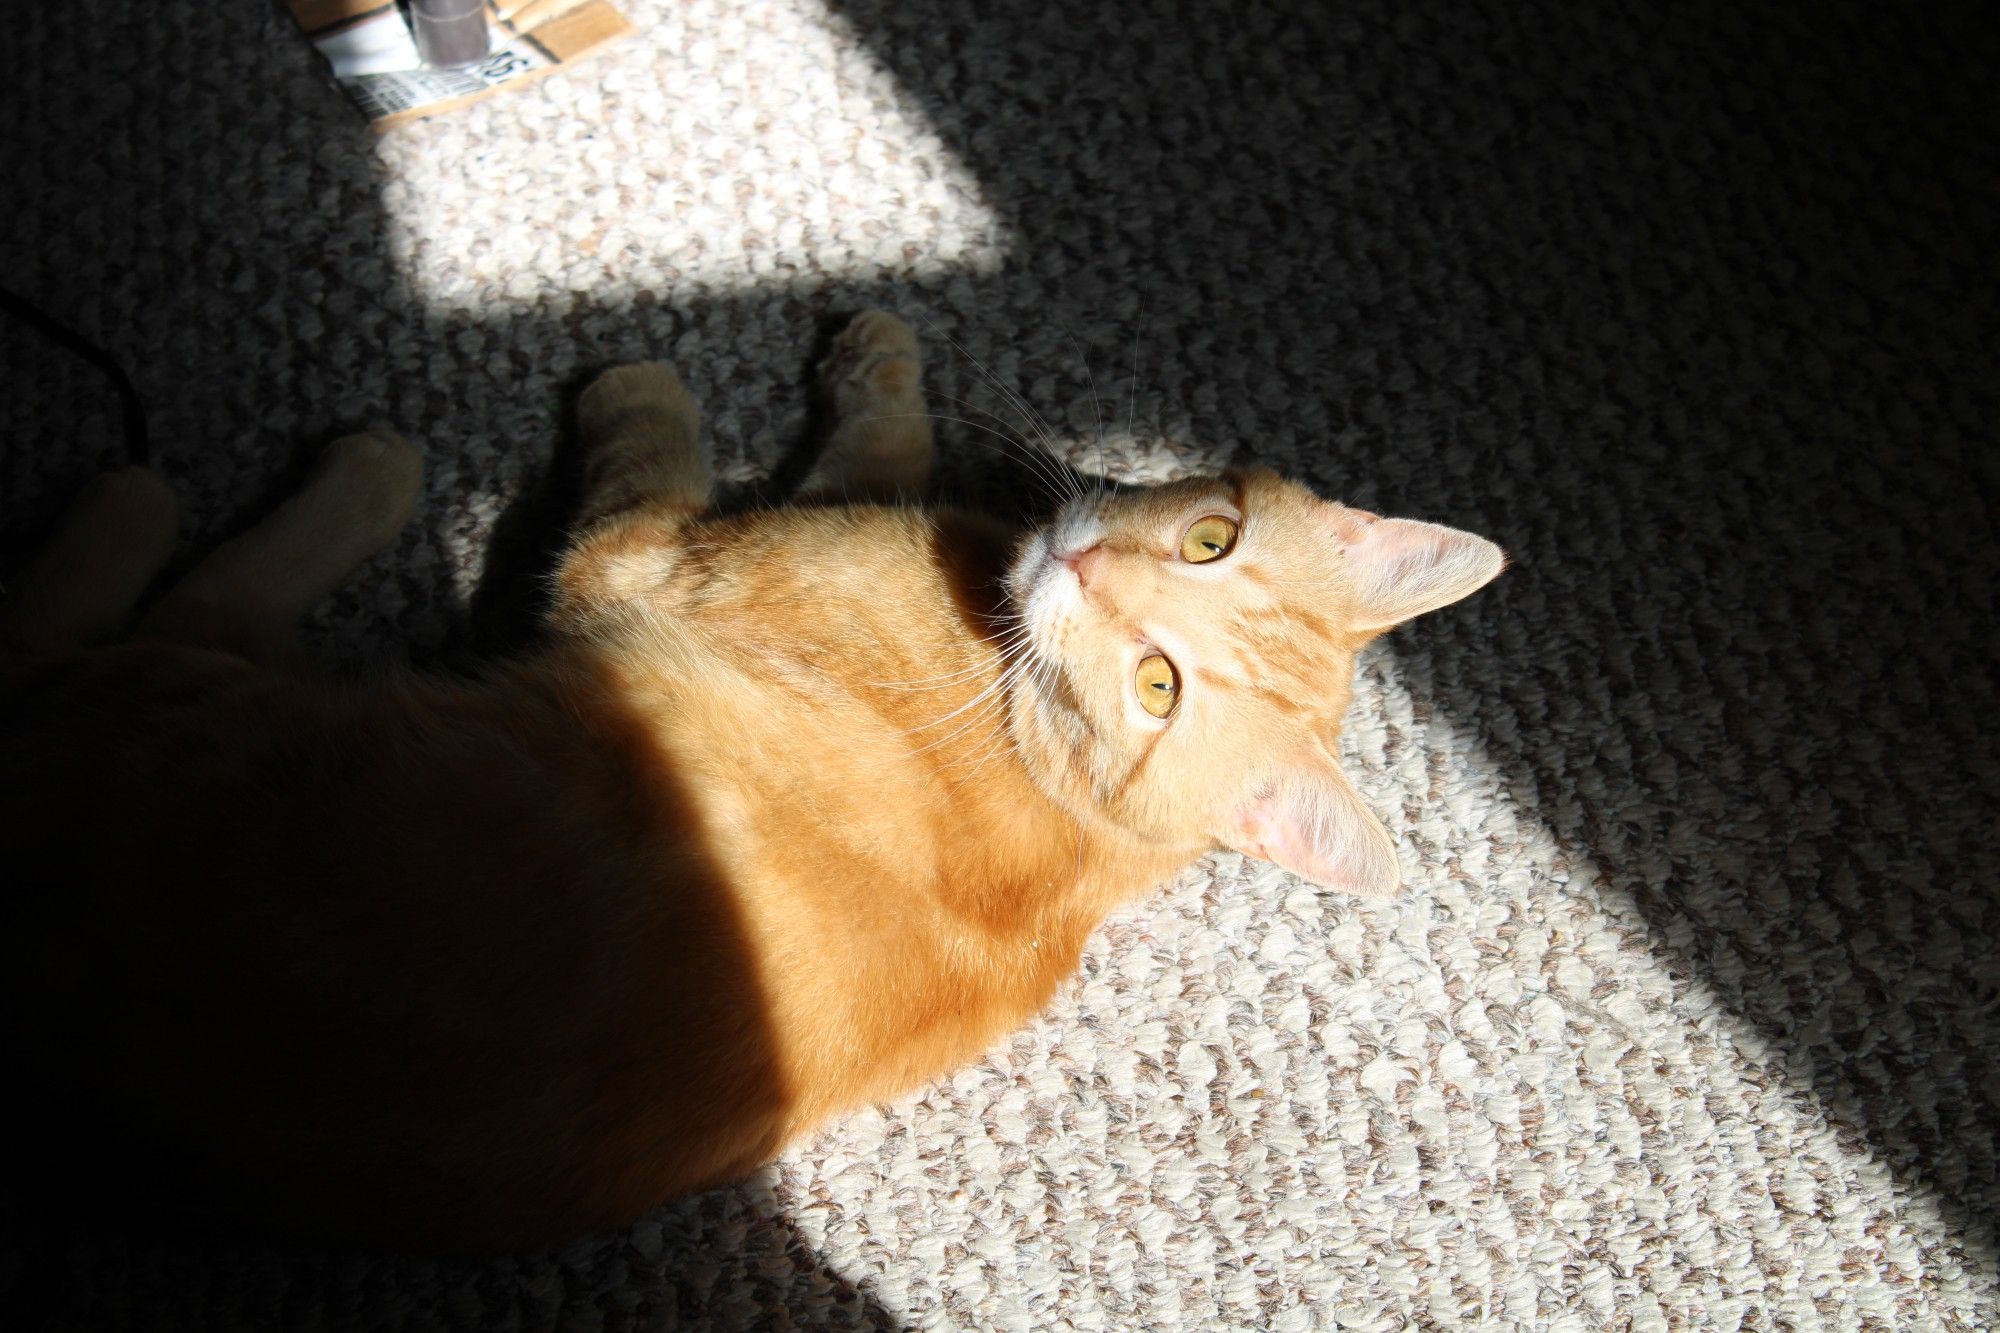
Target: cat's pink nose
1084, 564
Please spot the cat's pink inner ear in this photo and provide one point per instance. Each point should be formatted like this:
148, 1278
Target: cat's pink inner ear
1401, 568
1315, 825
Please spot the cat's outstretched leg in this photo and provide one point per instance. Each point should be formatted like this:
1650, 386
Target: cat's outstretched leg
249, 593
641, 437
645, 472
880, 446
82, 586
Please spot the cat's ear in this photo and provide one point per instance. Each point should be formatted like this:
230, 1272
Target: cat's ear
1314, 824
1402, 568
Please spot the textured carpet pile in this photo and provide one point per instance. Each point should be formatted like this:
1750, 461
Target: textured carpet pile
1689, 1018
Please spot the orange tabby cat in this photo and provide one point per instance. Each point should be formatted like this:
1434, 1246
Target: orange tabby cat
793, 809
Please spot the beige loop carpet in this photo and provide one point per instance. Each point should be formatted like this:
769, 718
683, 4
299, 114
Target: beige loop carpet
1689, 1020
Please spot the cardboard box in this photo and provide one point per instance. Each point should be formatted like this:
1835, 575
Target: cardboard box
368, 46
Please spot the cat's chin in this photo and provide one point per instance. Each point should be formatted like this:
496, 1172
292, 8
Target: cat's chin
1039, 566
1041, 587
1035, 561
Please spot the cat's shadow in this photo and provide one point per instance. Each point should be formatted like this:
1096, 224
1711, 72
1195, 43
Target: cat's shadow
670, 1259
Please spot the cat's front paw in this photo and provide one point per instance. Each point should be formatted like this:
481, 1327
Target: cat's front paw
874, 363
648, 387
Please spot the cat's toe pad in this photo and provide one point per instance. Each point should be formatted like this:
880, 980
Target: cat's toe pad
874, 359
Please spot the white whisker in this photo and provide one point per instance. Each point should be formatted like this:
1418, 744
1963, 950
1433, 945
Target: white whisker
993, 696
1054, 483
1035, 421
1097, 412
986, 693
1051, 462
1004, 643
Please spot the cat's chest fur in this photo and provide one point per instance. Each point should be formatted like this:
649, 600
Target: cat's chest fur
845, 745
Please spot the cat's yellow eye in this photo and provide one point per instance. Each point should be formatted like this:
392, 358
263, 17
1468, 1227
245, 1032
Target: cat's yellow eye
1208, 539
1159, 685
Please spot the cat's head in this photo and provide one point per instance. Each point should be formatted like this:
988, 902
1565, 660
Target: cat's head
1189, 654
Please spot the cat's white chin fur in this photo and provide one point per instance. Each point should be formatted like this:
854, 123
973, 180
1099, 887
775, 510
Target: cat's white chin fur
1042, 585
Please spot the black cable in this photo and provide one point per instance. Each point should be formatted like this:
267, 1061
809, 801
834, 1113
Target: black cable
138, 447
